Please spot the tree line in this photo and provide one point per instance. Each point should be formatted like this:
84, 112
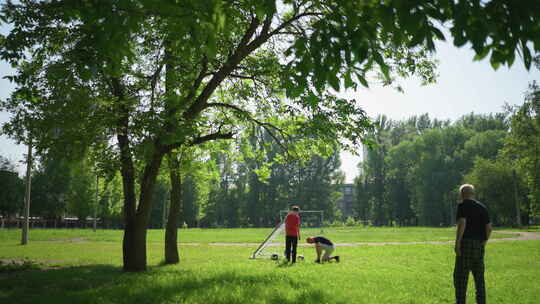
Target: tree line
225, 188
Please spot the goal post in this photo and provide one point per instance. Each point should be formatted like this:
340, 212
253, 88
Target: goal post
309, 219
277, 230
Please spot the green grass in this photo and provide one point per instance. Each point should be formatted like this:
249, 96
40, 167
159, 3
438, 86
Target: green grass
243, 235
90, 272
533, 228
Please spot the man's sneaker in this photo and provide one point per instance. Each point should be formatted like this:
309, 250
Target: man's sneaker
337, 258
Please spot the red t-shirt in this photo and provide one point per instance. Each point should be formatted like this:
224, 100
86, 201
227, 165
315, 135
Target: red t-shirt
292, 224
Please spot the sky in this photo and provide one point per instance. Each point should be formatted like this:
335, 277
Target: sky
463, 86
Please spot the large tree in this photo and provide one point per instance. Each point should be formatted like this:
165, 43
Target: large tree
158, 75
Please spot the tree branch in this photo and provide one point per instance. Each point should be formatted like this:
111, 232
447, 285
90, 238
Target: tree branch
293, 19
214, 136
242, 76
267, 126
199, 79
153, 81
198, 140
239, 54
242, 51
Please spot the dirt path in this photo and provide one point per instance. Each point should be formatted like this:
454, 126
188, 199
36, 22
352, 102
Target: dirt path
523, 236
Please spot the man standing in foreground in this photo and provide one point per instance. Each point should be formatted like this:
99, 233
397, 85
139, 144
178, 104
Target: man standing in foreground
473, 231
292, 233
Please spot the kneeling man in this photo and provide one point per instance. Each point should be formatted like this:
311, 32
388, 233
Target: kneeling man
324, 247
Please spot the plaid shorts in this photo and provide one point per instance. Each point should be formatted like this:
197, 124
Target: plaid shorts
327, 249
470, 260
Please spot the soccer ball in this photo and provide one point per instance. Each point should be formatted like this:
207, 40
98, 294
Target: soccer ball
274, 257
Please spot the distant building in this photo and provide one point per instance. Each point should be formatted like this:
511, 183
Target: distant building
346, 202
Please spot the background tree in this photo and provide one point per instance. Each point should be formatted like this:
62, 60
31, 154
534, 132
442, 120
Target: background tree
51, 187
494, 182
110, 205
81, 194
191, 199
522, 146
12, 196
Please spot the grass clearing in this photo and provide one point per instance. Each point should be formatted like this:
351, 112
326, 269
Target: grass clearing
247, 235
90, 272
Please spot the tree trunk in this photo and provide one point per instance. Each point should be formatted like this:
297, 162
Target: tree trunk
24, 238
516, 200
134, 243
135, 217
171, 232
134, 246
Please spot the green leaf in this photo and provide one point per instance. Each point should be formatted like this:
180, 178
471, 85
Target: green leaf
482, 54
438, 33
494, 63
527, 58
349, 83
362, 80
334, 81
260, 11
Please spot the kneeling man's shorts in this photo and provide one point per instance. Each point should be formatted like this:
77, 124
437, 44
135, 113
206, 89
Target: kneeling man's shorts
327, 249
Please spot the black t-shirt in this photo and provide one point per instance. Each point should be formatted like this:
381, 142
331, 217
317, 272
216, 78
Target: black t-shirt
477, 217
322, 240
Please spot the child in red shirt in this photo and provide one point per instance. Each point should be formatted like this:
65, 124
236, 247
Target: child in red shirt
292, 233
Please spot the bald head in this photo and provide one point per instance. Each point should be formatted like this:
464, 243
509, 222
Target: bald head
466, 191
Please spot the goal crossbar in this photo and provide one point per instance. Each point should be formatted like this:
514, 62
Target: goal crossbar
283, 213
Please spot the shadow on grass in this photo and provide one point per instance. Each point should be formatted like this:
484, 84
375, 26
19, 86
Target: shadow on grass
108, 284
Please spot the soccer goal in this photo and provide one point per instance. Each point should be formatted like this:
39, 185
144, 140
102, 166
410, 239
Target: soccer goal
261, 249
308, 218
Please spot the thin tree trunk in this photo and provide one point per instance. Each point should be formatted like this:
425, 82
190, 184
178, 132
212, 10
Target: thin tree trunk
164, 215
24, 237
516, 200
171, 232
94, 226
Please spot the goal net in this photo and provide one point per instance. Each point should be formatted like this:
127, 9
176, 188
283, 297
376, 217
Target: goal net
261, 249
309, 219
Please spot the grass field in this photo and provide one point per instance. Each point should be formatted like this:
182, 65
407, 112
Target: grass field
251, 235
90, 271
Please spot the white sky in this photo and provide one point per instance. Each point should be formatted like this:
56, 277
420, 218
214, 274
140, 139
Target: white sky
463, 86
